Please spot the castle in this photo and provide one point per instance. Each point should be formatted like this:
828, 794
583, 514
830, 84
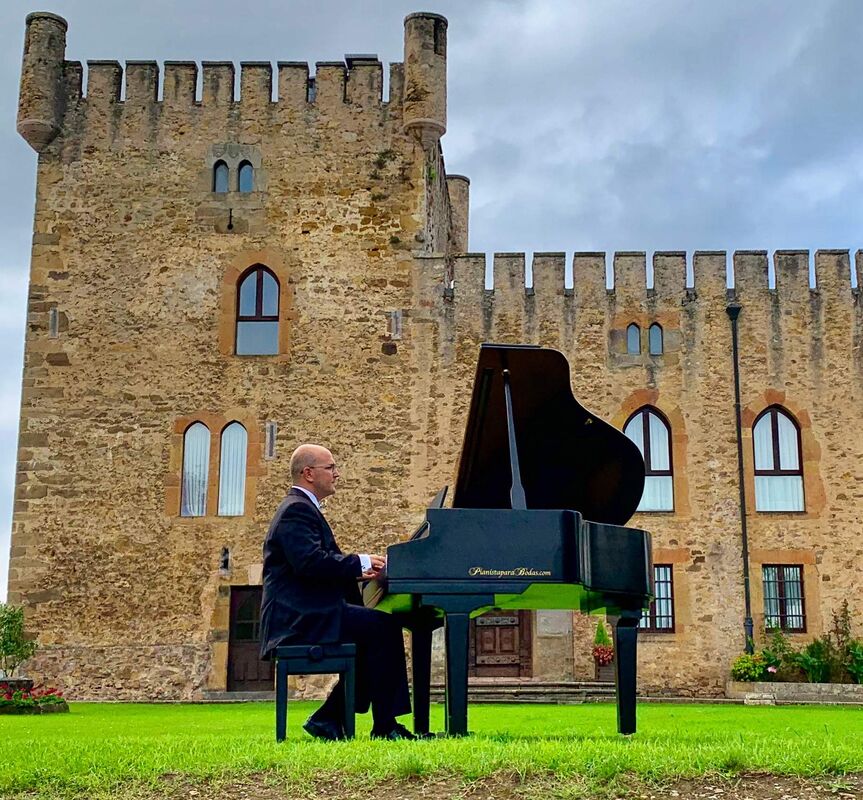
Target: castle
216, 279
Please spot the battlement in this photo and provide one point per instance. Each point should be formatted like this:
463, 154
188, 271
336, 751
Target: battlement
355, 83
52, 88
791, 275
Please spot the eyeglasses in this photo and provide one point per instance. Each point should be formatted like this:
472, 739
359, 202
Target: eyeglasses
328, 467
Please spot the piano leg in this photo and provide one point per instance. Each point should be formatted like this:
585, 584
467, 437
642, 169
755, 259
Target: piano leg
625, 656
421, 645
457, 628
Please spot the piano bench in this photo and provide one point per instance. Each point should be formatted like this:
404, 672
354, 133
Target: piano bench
315, 659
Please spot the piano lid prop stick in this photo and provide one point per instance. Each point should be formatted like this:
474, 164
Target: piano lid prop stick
516, 493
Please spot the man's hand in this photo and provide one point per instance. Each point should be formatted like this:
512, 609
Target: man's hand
378, 563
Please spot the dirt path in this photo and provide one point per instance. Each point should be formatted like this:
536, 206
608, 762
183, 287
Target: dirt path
509, 787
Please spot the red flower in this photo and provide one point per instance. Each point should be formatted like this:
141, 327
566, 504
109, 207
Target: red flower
603, 654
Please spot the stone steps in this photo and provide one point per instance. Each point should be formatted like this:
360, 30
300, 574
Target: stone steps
500, 690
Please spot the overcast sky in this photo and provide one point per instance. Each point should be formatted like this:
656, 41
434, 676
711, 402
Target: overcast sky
661, 125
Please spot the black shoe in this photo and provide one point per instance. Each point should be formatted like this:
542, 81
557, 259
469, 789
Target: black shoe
329, 731
398, 731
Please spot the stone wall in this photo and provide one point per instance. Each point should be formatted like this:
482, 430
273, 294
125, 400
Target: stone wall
800, 347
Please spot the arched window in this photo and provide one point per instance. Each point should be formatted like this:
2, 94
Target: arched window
232, 470
258, 313
220, 177
633, 339
778, 471
246, 177
650, 431
654, 338
196, 467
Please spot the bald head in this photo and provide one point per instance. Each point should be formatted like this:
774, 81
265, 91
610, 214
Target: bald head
313, 468
307, 455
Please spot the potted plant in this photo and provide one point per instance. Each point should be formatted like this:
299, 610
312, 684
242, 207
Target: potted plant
15, 647
603, 653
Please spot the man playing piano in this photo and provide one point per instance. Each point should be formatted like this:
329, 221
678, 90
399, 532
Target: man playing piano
311, 596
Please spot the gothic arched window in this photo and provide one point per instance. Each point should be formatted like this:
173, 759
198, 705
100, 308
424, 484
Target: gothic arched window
778, 470
220, 177
232, 470
654, 339
257, 313
633, 339
246, 177
649, 429
196, 467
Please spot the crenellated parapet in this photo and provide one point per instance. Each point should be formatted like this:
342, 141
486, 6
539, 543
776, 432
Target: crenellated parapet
795, 275
490, 295
52, 102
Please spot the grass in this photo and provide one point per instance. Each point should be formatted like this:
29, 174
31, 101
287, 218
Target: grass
99, 749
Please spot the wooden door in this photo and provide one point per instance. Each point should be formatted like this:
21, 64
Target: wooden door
246, 671
500, 645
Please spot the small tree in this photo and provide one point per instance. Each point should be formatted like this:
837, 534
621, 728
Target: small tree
603, 649
15, 648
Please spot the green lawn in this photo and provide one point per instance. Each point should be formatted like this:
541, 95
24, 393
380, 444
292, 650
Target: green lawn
100, 749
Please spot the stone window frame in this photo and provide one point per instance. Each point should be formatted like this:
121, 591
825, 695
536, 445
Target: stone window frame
668, 321
644, 412
810, 457
684, 563
774, 411
254, 464
648, 619
783, 612
679, 444
233, 155
272, 260
811, 578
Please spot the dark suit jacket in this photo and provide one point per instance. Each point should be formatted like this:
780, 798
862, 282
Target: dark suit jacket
307, 579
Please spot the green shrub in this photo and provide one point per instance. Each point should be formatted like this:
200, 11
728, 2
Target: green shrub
749, 667
15, 648
816, 660
854, 660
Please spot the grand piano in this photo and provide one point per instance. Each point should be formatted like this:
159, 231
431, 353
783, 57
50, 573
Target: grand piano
544, 489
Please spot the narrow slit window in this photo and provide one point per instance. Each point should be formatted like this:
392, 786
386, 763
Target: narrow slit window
258, 313
270, 440
196, 467
778, 471
232, 470
784, 606
652, 434
220, 177
53, 323
246, 178
655, 339
633, 339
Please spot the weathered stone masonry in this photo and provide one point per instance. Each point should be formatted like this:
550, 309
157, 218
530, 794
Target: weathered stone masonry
138, 259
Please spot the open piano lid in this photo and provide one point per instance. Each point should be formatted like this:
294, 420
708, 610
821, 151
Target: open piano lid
568, 457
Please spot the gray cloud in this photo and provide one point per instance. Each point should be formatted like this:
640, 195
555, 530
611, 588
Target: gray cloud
582, 125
